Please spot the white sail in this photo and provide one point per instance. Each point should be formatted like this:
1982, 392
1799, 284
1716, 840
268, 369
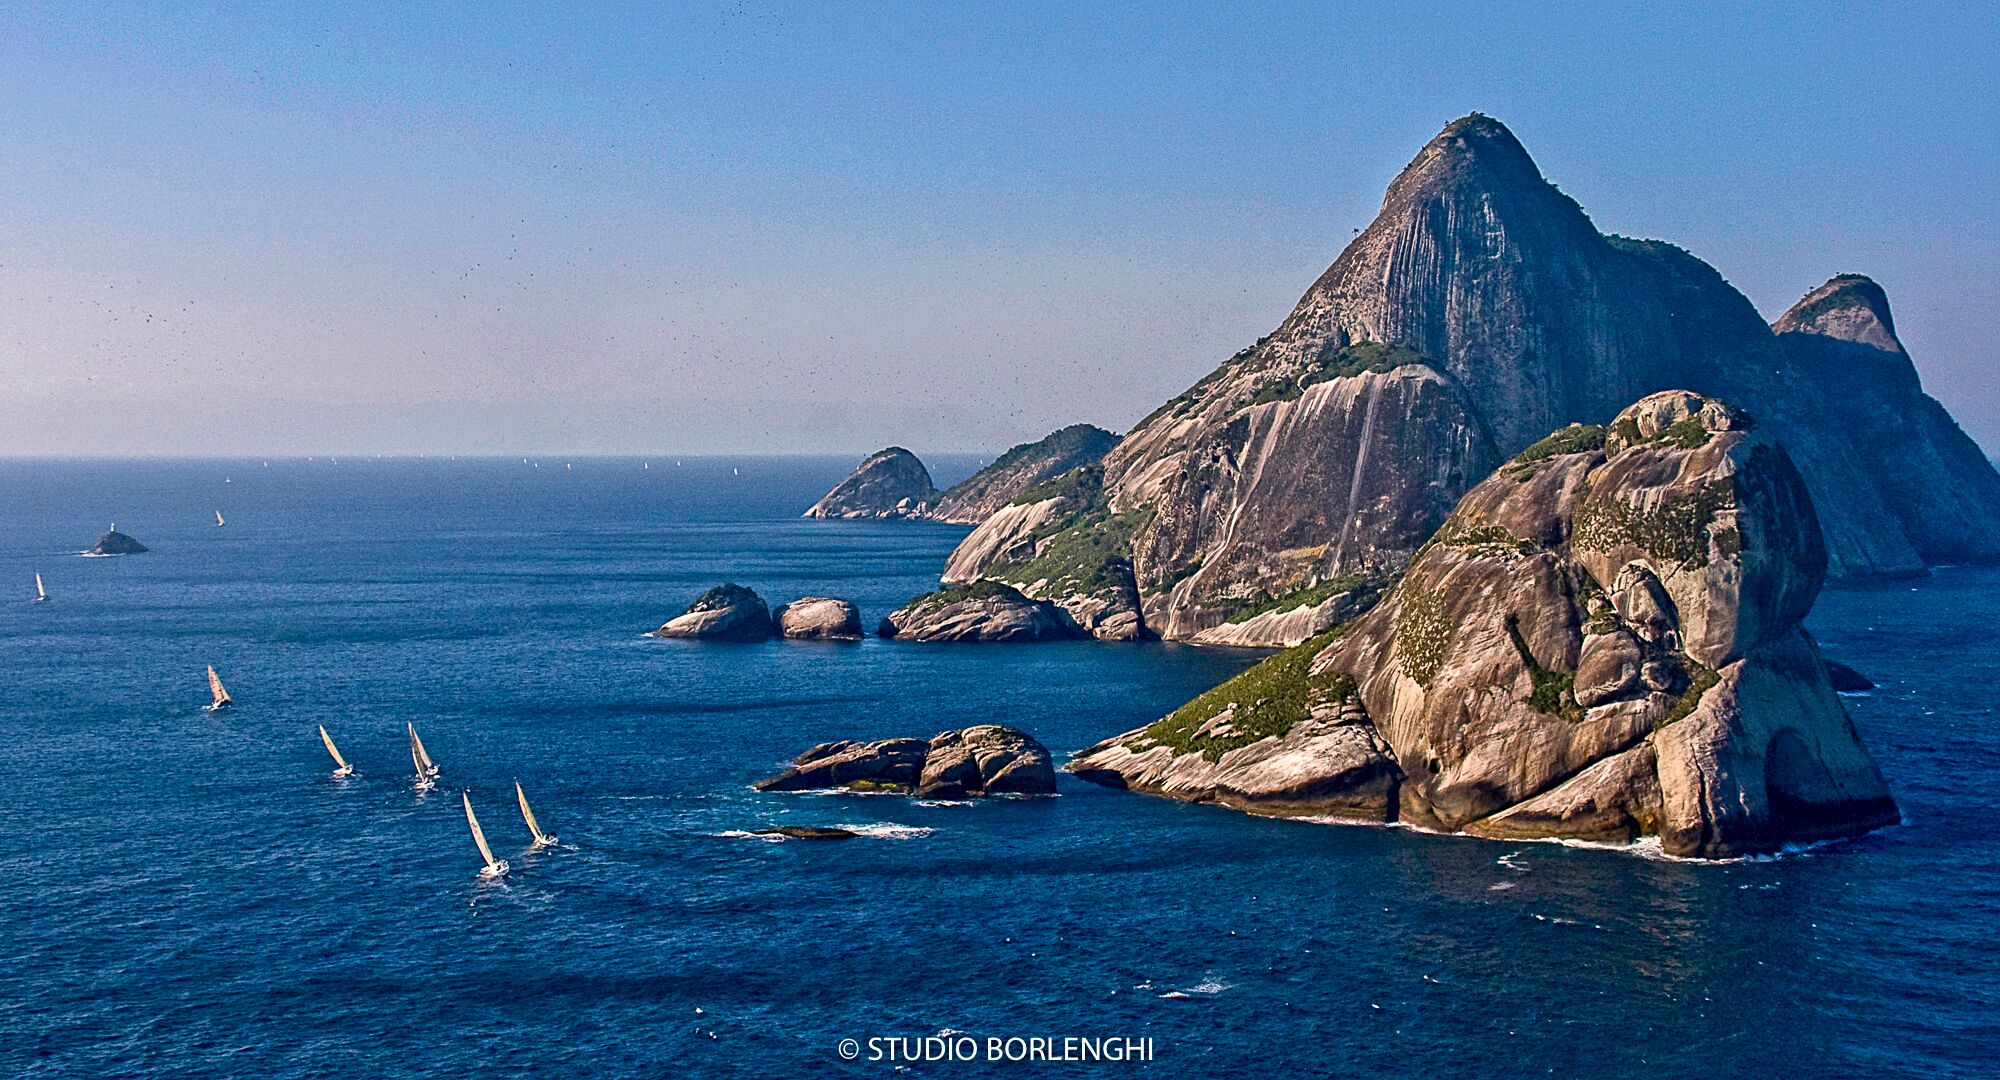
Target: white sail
215, 690
40, 593
426, 768
528, 815
493, 866
218, 519
345, 768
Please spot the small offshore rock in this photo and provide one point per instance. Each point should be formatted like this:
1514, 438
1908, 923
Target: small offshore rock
819, 618
985, 759
807, 832
114, 542
725, 613
981, 611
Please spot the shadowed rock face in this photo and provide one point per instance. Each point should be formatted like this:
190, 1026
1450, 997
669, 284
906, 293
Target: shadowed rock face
724, 613
1943, 491
986, 759
1602, 641
890, 483
1479, 311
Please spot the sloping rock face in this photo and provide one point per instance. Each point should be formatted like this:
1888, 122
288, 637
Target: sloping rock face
986, 759
114, 542
1020, 468
1286, 625
1480, 310
890, 483
983, 611
819, 618
1060, 542
724, 613
1944, 492
1603, 641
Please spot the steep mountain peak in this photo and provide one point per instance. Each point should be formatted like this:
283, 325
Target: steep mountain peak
1473, 152
1849, 307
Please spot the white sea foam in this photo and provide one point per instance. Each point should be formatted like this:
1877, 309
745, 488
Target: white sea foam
886, 830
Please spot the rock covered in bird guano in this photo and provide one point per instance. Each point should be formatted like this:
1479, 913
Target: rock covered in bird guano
981, 611
981, 495
1480, 310
819, 618
114, 542
986, 759
724, 613
1603, 641
890, 483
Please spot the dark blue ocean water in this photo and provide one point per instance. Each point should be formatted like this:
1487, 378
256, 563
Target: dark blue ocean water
191, 895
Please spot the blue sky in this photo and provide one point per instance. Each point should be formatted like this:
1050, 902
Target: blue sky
763, 227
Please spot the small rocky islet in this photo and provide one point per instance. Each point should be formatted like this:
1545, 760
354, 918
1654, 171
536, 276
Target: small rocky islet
114, 542
985, 759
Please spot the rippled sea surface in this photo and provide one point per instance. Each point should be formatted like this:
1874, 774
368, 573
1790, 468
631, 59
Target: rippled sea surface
188, 894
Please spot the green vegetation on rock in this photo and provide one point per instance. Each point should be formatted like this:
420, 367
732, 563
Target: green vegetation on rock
1310, 596
983, 589
1359, 358
724, 596
1574, 439
1700, 681
1676, 530
1554, 692
1423, 632
1264, 701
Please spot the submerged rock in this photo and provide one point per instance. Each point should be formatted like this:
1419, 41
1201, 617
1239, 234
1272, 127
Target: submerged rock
889, 483
724, 613
114, 542
986, 759
1601, 642
981, 611
818, 617
807, 832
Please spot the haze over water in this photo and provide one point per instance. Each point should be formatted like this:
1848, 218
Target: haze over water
191, 895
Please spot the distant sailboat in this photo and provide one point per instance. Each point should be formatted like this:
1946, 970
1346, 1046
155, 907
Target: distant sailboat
427, 770
494, 867
345, 769
215, 689
542, 839
218, 519
41, 594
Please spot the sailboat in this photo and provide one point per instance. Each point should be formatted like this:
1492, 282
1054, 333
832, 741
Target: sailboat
215, 689
41, 594
427, 770
345, 769
218, 519
542, 839
494, 867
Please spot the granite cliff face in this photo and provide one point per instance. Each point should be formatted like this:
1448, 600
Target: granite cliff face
889, 483
1603, 641
1480, 310
1943, 491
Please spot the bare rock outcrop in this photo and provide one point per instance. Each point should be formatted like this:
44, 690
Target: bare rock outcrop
985, 759
889, 483
819, 618
1602, 641
1480, 310
981, 611
114, 542
725, 613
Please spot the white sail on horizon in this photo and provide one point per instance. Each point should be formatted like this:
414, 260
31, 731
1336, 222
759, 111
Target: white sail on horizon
40, 593
218, 519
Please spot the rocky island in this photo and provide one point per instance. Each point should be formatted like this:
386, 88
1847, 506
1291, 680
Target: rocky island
986, 759
1478, 312
114, 542
889, 483
819, 618
725, 613
1603, 640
